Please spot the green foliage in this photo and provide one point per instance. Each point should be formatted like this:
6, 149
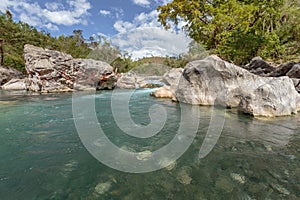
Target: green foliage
151, 69
238, 30
174, 62
103, 50
17, 34
123, 64
196, 51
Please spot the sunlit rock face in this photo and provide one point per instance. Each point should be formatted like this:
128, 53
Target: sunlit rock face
15, 84
212, 81
8, 73
53, 71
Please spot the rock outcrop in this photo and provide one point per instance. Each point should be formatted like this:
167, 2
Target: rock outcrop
276, 98
172, 77
164, 92
8, 73
15, 84
212, 81
131, 80
53, 71
127, 81
259, 67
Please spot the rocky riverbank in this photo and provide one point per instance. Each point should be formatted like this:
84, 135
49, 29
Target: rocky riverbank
258, 89
212, 81
52, 71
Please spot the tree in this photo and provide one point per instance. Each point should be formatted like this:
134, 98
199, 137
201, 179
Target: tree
103, 50
196, 51
17, 34
237, 30
1, 52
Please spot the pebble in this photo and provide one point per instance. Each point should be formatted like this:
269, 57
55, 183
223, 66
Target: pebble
144, 155
280, 189
239, 178
102, 188
168, 164
184, 178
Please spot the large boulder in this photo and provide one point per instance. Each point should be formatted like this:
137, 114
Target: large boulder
53, 71
172, 77
213, 81
8, 73
276, 98
127, 80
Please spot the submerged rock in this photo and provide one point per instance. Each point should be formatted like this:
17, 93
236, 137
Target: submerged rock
144, 155
224, 185
239, 178
280, 189
168, 164
184, 177
212, 81
102, 188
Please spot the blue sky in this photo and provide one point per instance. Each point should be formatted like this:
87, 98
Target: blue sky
130, 24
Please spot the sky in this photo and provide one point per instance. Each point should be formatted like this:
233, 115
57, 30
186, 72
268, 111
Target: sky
130, 24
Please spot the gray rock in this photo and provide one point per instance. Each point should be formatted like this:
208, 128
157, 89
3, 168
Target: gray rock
294, 72
259, 67
149, 81
8, 73
164, 92
172, 77
131, 80
15, 84
282, 70
296, 82
127, 81
278, 97
212, 81
53, 71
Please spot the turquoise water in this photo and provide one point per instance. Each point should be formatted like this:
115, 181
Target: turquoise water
42, 156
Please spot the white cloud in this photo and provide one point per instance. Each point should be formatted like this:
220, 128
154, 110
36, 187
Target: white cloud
54, 6
141, 2
144, 36
119, 12
123, 27
53, 14
105, 12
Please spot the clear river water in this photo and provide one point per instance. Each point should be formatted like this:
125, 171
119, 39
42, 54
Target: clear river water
43, 157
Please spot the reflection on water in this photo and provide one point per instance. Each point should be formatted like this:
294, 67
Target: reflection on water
42, 156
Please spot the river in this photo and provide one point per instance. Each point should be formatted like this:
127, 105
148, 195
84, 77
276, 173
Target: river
42, 155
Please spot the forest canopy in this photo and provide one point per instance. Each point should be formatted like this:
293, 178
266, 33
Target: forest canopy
239, 30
